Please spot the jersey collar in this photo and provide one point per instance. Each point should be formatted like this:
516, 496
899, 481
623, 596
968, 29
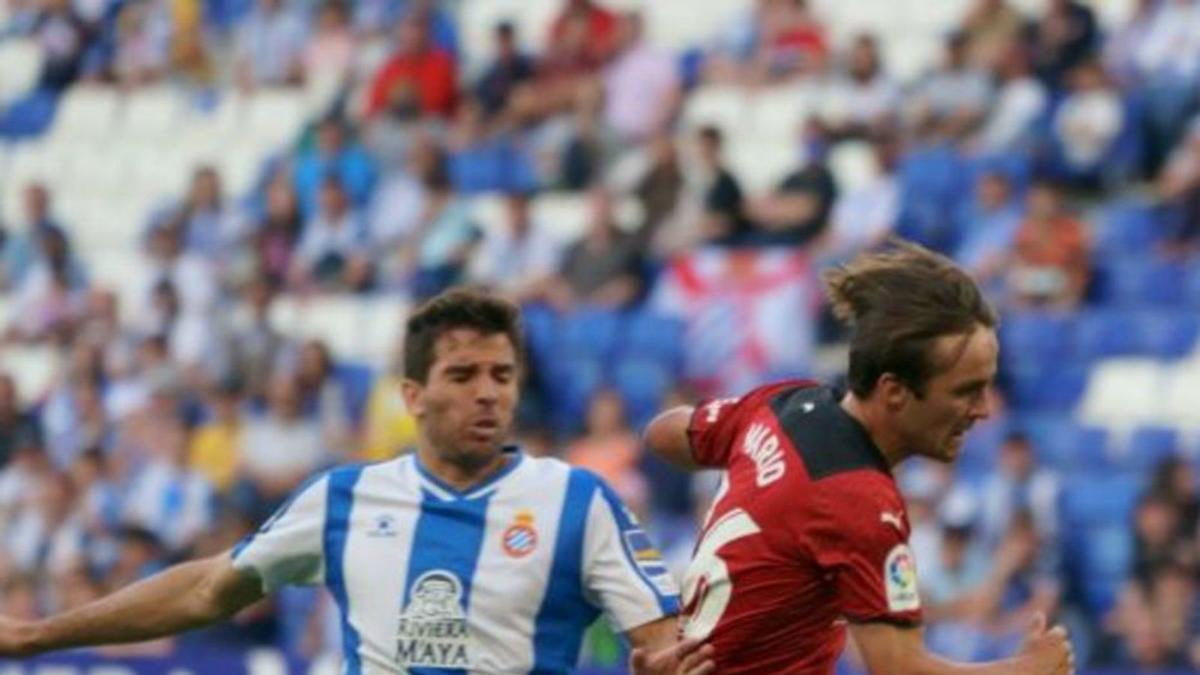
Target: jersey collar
448, 492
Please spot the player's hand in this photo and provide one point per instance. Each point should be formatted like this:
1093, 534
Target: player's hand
15, 637
688, 657
1046, 652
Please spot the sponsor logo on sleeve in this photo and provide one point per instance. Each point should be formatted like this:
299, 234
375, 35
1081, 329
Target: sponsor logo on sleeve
649, 561
900, 580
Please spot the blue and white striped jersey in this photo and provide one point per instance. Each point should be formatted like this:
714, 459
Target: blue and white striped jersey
503, 578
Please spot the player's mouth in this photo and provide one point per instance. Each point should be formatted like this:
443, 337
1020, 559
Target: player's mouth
484, 427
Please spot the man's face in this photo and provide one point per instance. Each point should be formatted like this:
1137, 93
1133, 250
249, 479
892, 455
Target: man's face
934, 425
467, 403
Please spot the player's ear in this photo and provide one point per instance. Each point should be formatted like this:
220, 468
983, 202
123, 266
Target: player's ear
893, 391
414, 396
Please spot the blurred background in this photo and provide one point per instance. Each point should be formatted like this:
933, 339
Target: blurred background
216, 214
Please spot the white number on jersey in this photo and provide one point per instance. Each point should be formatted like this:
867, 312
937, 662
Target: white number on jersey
707, 588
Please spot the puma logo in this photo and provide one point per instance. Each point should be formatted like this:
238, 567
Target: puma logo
893, 520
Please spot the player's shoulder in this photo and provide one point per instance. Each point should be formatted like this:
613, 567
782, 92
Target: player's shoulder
540, 470
829, 441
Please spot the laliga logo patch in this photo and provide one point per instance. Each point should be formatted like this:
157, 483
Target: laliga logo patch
900, 580
520, 539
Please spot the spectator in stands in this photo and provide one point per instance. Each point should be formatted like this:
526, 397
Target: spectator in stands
334, 155
773, 42
143, 43
211, 228
486, 160
609, 448
990, 27
329, 55
445, 239
518, 260
63, 38
279, 450
1020, 101
1175, 479
1051, 260
509, 69
279, 230
987, 226
191, 276
269, 46
1179, 186
1087, 125
956, 96
390, 429
864, 217
334, 252
597, 29
951, 580
322, 394
659, 190
1019, 485
1065, 37
398, 206
28, 538
22, 242
867, 98
51, 299
797, 211
74, 420
192, 63
166, 497
214, 445
1156, 620
417, 66
1124, 43
256, 344
16, 425
1159, 539
641, 85
603, 268
723, 217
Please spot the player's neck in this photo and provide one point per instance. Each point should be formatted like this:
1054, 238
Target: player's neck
888, 442
459, 475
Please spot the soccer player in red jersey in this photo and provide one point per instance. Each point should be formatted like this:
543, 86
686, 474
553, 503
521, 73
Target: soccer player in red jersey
808, 534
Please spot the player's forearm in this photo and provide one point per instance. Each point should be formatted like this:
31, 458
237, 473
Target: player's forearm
180, 598
667, 437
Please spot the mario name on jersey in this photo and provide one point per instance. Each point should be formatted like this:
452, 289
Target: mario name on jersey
761, 445
433, 629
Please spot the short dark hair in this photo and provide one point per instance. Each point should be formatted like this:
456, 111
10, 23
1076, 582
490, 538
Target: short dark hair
711, 134
471, 308
898, 302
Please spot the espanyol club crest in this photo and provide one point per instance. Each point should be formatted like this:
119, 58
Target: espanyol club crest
520, 538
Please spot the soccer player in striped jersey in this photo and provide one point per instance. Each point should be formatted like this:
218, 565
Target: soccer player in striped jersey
465, 557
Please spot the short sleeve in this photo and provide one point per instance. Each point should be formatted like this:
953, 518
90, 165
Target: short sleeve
865, 547
288, 548
624, 572
715, 423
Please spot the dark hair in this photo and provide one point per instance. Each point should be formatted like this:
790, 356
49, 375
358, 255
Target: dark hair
456, 308
898, 302
711, 134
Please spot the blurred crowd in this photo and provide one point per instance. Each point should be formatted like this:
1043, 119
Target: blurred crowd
179, 423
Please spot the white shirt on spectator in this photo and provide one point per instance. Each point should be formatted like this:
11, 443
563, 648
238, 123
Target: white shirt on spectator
508, 262
174, 503
638, 85
271, 43
282, 447
1014, 111
1087, 123
1171, 47
323, 237
863, 217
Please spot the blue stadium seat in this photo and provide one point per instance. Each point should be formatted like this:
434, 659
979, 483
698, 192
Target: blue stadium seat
1063, 444
1036, 336
1166, 334
1125, 226
28, 116
1148, 447
575, 378
1045, 386
642, 383
1104, 333
1100, 499
653, 336
356, 380
1191, 287
541, 329
1142, 281
590, 331
1106, 558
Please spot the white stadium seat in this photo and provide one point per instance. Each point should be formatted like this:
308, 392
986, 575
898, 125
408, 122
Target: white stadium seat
20, 65
86, 113
1122, 393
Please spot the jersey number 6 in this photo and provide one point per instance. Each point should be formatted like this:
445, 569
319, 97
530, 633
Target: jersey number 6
707, 587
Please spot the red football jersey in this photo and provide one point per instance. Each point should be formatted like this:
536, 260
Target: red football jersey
809, 531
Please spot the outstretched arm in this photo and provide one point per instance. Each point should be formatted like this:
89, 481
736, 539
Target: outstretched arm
887, 649
667, 436
186, 596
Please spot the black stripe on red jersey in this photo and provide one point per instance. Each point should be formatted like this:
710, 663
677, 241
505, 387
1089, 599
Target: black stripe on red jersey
828, 440
891, 620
